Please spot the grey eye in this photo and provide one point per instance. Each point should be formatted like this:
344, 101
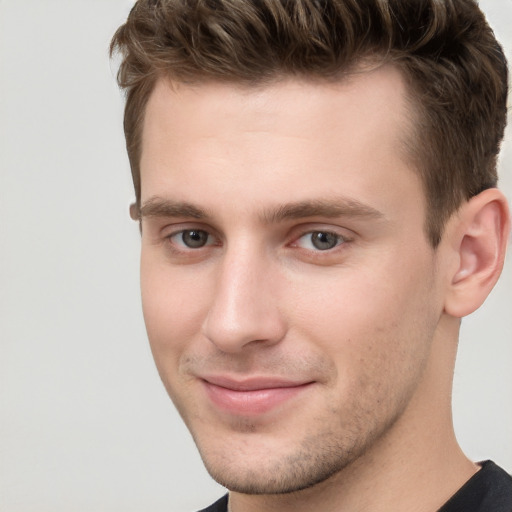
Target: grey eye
194, 238
323, 241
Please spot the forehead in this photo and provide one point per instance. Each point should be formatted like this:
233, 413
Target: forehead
292, 137
291, 104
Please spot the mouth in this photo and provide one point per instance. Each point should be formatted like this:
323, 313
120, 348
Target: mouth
252, 396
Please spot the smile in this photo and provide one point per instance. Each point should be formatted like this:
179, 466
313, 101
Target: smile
253, 396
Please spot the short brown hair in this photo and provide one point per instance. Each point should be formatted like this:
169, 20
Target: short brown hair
455, 70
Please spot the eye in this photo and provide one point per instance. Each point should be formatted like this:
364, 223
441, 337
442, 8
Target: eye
192, 238
320, 240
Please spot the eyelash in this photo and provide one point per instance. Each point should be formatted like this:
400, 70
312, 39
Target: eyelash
338, 240
178, 246
329, 237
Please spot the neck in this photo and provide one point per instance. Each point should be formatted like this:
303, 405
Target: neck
416, 466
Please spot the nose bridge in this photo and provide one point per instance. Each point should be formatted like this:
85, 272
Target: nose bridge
243, 308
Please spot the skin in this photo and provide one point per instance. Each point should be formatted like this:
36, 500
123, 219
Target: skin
368, 327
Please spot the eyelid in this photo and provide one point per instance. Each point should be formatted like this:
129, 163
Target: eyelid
295, 235
340, 240
173, 230
319, 227
178, 227
182, 244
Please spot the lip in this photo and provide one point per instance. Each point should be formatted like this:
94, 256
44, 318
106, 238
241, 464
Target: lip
252, 396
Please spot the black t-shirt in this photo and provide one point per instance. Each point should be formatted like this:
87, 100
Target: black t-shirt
219, 506
489, 490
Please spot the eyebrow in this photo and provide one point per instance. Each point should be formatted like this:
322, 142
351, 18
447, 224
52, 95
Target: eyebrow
159, 207
330, 208
327, 208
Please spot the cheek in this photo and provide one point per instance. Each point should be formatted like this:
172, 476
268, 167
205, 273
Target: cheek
376, 329
379, 359
174, 306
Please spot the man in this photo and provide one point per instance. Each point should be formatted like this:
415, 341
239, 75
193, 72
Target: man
315, 185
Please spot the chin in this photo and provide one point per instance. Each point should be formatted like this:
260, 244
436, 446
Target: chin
271, 472
272, 480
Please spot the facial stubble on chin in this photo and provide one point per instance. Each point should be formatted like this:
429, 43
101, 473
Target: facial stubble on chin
319, 457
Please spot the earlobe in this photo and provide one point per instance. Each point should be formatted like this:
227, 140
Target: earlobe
480, 239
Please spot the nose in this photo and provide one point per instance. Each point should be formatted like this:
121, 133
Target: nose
244, 307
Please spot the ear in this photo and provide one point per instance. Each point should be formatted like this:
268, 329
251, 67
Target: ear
479, 234
134, 211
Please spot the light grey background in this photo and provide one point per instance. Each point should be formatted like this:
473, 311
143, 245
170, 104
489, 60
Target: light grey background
85, 424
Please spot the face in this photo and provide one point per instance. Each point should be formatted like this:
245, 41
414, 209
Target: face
289, 291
